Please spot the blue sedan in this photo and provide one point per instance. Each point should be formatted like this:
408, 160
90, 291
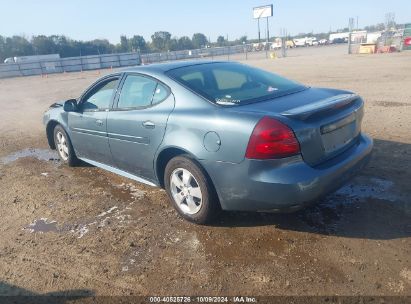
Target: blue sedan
215, 135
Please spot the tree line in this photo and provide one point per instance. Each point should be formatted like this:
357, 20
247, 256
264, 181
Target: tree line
161, 41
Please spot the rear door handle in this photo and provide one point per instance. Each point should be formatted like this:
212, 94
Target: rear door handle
99, 122
149, 124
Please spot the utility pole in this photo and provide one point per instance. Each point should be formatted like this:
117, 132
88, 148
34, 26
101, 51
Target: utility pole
283, 34
267, 40
228, 49
350, 28
351, 24
389, 20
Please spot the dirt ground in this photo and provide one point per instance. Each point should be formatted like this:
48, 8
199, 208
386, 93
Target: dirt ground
85, 231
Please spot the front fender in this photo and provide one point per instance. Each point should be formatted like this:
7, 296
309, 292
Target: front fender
53, 117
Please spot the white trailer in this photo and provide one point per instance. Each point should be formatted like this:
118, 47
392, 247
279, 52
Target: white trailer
311, 41
373, 37
277, 44
9, 60
300, 42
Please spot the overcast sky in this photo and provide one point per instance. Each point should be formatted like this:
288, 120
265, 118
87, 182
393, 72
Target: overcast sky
89, 19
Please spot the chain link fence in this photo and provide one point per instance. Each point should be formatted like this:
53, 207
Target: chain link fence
237, 52
363, 42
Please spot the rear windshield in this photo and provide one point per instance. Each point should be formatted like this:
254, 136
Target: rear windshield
233, 83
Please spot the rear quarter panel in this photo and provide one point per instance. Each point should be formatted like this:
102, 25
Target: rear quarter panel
194, 117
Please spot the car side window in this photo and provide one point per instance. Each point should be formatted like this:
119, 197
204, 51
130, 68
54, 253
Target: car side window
160, 93
100, 97
137, 92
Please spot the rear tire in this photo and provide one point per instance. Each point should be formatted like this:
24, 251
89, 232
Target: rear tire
64, 147
190, 191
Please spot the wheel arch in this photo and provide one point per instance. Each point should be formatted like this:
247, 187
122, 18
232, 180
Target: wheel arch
164, 157
50, 133
169, 153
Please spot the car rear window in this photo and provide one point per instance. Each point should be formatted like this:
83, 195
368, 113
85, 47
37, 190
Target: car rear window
232, 84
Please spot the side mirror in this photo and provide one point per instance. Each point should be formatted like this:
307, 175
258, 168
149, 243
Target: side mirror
70, 105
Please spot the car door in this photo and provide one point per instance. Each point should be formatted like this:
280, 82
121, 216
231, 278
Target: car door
137, 123
88, 125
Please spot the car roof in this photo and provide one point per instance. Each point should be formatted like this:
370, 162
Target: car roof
164, 67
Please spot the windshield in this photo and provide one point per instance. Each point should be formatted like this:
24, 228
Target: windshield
233, 83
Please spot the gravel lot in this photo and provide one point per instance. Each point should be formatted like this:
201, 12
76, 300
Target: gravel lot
85, 231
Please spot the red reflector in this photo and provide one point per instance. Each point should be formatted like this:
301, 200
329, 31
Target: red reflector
272, 139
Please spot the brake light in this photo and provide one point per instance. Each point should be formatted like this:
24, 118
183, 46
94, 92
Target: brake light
272, 139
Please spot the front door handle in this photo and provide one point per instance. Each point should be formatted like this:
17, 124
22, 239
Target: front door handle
99, 122
149, 124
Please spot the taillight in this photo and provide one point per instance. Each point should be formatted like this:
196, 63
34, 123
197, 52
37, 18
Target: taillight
272, 139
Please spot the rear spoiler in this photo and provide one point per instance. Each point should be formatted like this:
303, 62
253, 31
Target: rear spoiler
322, 105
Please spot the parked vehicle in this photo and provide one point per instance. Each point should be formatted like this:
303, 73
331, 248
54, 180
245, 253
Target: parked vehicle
290, 44
299, 42
311, 41
339, 37
215, 135
407, 37
258, 47
9, 60
277, 44
306, 41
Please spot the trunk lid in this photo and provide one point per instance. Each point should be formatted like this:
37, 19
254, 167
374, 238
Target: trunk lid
326, 122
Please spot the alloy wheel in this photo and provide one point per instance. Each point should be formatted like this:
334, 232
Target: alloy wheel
186, 191
62, 146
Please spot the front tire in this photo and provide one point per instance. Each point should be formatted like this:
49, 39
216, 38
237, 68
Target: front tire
64, 147
189, 190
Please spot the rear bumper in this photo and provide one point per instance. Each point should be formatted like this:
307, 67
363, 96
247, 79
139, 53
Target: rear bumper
287, 184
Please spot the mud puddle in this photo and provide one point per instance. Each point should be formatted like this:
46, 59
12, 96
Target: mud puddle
372, 188
326, 214
42, 225
114, 215
40, 154
118, 215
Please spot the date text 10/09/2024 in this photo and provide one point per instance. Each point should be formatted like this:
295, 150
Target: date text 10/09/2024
204, 299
